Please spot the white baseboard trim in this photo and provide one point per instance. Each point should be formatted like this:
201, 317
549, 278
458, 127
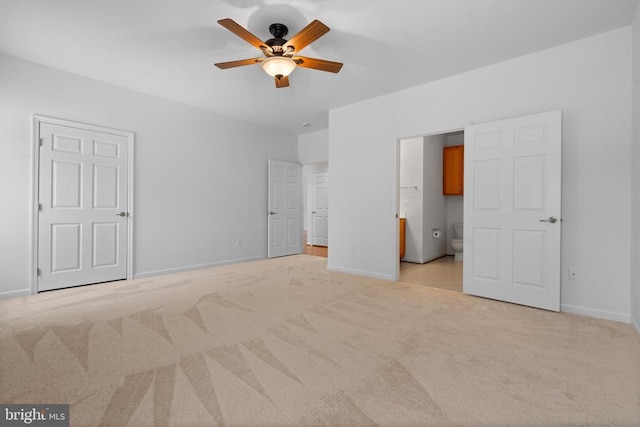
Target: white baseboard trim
16, 294
359, 272
195, 267
635, 323
598, 314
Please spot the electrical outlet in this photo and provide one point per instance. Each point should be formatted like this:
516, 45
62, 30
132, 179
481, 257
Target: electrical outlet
238, 242
353, 249
573, 274
338, 247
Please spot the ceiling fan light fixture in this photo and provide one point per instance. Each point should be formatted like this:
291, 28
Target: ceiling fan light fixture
278, 66
280, 60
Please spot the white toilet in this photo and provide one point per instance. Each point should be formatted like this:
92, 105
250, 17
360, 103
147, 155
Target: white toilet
456, 242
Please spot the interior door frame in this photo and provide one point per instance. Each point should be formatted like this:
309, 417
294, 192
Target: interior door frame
396, 188
35, 179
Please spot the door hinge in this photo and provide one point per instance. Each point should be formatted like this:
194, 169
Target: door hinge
39, 207
38, 272
41, 142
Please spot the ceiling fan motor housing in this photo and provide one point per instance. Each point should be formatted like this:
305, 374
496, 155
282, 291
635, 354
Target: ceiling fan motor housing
278, 31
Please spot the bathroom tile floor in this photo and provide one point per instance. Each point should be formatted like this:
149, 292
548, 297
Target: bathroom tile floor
443, 273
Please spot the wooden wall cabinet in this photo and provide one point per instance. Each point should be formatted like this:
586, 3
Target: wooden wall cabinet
453, 170
403, 226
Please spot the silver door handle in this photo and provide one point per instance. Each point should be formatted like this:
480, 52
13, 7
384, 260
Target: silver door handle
551, 219
272, 213
122, 214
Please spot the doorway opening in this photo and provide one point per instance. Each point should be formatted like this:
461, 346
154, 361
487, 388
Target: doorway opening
511, 211
431, 210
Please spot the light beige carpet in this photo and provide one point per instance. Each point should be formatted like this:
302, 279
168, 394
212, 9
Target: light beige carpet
284, 342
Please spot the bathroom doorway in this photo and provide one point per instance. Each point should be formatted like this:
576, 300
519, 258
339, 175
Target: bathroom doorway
429, 215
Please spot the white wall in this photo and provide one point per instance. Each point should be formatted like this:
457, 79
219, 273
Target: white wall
421, 199
200, 178
313, 147
435, 208
635, 159
588, 79
411, 197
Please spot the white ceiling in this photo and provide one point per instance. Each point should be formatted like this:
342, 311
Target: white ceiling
167, 48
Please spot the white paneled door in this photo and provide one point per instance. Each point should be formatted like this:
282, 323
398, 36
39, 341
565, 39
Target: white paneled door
83, 206
320, 210
285, 209
512, 213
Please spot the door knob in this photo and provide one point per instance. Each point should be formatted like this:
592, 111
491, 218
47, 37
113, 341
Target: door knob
272, 213
313, 212
551, 219
122, 214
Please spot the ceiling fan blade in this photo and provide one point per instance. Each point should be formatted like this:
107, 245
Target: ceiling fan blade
307, 35
239, 63
283, 82
318, 64
241, 32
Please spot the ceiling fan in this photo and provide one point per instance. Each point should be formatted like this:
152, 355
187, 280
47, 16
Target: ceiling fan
281, 55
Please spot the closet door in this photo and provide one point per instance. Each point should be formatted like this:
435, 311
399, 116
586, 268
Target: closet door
285, 209
83, 206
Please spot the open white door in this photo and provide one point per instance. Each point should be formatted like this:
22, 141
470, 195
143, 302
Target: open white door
285, 209
320, 211
83, 206
512, 217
